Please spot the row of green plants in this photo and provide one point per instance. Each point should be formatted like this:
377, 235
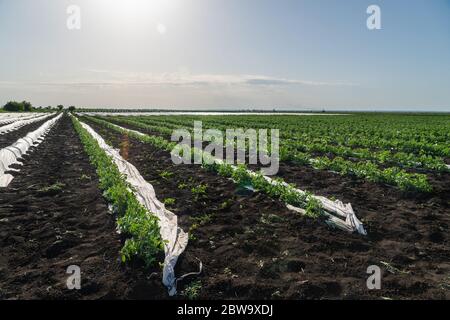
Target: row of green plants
370, 172
322, 145
429, 129
423, 135
367, 170
133, 219
240, 175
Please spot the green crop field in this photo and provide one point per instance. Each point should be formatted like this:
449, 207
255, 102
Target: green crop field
188, 196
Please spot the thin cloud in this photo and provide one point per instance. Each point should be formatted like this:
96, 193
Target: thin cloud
103, 78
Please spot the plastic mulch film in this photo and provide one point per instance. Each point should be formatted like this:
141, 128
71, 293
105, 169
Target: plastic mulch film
11, 155
17, 124
339, 215
175, 238
7, 119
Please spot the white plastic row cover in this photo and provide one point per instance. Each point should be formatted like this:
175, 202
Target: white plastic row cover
341, 215
15, 125
175, 238
11, 155
14, 118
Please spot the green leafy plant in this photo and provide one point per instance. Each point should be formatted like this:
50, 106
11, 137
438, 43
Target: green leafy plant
182, 186
313, 208
199, 191
201, 219
166, 174
85, 177
192, 290
169, 201
133, 219
226, 204
51, 190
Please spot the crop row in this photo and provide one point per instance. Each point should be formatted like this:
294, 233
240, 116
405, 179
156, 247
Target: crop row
240, 175
321, 146
363, 169
133, 219
421, 136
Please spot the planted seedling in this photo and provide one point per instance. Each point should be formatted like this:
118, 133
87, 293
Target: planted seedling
202, 219
226, 204
169, 201
313, 208
85, 177
192, 229
182, 186
166, 174
192, 290
199, 191
51, 190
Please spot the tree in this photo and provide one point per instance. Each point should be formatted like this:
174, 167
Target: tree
18, 106
71, 108
60, 107
27, 106
13, 106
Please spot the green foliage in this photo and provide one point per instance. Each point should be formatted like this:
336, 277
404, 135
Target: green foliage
360, 145
169, 201
313, 208
51, 190
202, 219
270, 219
370, 171
192, 291
376, 148
182, 186
85, 177
199, 191
156, 141
166, 174
18, 106
226, 204
285, 192
133, 219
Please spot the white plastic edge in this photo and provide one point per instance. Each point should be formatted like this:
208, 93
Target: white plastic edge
21, 123
336, 209
11, 154
175, 238
10, 119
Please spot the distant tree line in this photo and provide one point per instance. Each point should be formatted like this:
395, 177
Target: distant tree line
25, 106
18, 106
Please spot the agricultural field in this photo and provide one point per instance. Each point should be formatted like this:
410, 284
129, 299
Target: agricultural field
102, 191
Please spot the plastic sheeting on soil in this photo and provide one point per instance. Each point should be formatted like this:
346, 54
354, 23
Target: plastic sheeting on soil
4, 120
15, 125
339, 215
176, 239
11, 155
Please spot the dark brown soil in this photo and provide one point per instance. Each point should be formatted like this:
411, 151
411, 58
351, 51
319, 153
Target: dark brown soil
412, 228
42, 232
254, 247
9, 138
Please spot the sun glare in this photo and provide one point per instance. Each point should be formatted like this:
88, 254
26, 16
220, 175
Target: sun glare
140, 7
136, 13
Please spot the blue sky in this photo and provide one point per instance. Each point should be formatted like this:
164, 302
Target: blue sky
288, 54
